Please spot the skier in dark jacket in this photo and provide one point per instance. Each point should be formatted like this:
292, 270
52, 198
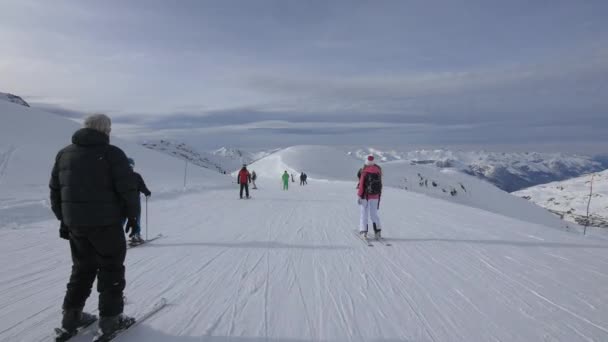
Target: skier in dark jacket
93, 190
244, 178
253, 179
141, 188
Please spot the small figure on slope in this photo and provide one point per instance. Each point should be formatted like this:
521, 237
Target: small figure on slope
135, 236
253, 178
285, 178
369, 193
244, 178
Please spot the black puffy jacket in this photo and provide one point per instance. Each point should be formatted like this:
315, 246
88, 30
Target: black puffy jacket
92, 183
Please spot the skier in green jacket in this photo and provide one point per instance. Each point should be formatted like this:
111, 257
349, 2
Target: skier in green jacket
285, 180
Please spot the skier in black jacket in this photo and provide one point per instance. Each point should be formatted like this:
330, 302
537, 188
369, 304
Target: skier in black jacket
141, 188
93, 191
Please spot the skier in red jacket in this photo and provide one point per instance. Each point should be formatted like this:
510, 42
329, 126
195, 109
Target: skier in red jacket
244, 178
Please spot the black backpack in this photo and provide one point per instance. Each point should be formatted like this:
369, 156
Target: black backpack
373, 184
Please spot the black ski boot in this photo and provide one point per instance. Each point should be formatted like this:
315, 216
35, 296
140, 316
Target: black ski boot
72, 321
109, 327
377, 233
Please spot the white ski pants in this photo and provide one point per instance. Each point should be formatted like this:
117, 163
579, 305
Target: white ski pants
369, 209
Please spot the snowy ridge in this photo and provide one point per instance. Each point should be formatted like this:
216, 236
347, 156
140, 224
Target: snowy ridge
569, 198
508, 171
185, 152
236, 157
13, 98
223, 160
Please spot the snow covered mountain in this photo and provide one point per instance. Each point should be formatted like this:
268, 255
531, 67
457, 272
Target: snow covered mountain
185, 152
569, 198
13, 98
287, 265
223, 160
233, 154
237, 157
508, 171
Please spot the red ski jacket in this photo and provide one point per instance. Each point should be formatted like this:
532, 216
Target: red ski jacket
361, 188
244, 177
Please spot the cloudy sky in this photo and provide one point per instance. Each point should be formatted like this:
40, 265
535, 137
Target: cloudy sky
477, 73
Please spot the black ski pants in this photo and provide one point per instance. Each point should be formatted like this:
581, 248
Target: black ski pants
97, 252
246, 187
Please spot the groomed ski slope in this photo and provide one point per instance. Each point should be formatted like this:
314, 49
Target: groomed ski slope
286, 266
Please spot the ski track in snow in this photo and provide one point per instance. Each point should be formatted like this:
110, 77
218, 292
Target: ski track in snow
285, 266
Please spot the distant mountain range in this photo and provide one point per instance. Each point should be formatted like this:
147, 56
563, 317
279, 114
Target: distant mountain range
223, 160
508, 171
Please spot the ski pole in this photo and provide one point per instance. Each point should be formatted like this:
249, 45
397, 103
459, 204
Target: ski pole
146, 217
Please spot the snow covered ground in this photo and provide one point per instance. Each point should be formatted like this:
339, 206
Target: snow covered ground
569, 198
287, 266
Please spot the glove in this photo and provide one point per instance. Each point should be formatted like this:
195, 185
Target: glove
148, 194
64, 232
359, 201
131, 224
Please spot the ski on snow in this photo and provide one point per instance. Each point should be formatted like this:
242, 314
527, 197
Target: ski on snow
368, 241
364, 240
132, 245
383, 242
156, 308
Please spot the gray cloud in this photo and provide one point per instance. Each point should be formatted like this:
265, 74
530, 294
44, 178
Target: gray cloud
483, 73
